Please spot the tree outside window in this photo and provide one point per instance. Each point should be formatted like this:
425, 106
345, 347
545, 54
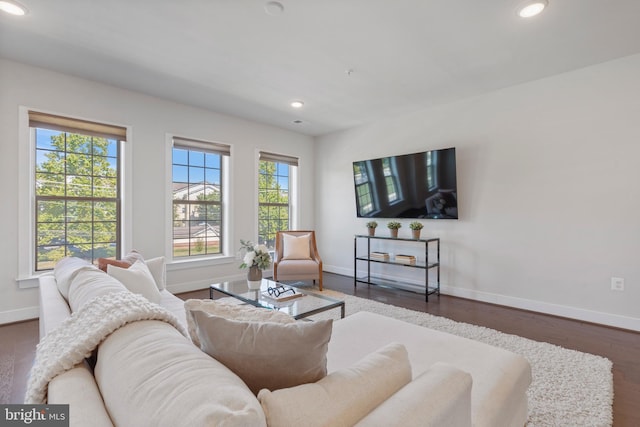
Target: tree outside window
77, 196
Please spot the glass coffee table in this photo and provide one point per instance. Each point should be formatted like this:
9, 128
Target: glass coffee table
306, 305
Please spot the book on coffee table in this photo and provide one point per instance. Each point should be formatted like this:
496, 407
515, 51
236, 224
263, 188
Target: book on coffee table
286, 296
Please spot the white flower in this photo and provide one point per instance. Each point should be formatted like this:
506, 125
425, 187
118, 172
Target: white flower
248, 258
261, 249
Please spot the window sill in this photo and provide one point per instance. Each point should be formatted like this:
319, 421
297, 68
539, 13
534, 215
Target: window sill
185, 264
29, 281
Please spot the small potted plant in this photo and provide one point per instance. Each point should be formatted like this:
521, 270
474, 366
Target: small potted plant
415, 227
393, 227
371, 226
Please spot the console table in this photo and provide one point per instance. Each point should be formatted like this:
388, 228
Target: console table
426, 265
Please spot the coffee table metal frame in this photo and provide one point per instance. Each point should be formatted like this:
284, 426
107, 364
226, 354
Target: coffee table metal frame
305, 306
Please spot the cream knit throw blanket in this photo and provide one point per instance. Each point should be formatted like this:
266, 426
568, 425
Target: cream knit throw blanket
79, 335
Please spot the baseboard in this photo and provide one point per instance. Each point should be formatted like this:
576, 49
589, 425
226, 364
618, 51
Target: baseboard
614, 320
607, 319
20, 315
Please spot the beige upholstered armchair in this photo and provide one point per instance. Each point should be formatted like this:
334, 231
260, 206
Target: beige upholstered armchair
297, 257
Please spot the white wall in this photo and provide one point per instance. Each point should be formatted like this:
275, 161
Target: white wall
549, 192
150, 120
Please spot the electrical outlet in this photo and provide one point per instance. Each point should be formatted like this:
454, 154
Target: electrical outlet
617, 284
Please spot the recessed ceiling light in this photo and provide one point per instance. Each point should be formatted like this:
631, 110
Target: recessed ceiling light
13, 8
297, 122
532, 8
297, 104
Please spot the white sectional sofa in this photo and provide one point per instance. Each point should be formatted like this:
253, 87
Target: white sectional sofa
148, 373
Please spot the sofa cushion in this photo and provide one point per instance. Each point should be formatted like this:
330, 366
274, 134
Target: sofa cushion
342, 397
91, 283
500, 377
66, 270
295, 247
137, 279
440, 396
151, 375
266, 354
156, 266
230, 310
77, 388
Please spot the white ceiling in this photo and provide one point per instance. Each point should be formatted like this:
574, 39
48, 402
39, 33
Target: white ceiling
232, 57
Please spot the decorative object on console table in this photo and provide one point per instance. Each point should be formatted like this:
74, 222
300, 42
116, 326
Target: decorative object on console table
416, 227
393, 227
371, 227
380, 255
405, 259
256, 258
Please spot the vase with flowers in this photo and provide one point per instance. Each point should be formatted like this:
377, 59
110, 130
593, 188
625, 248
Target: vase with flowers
256, 259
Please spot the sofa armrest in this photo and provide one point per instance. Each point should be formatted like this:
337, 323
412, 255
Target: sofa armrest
53, 307
440, 396
77, 388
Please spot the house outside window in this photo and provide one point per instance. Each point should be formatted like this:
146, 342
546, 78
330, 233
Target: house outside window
276, 195
198, 186
77, 189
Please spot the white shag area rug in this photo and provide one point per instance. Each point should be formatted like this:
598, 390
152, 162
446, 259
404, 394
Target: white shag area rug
569, 388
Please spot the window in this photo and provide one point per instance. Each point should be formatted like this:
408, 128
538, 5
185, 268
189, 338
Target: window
198, 170
77, 189
363, 188
275, 196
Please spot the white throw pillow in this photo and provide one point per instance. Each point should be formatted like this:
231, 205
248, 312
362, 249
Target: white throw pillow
440, 396
66, 269
295, 247
266, 354
158, 271
343, 397
137, 279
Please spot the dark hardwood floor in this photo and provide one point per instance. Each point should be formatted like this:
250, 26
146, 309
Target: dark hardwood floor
622, 347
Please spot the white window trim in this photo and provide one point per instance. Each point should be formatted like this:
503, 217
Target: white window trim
227, 199
27, 276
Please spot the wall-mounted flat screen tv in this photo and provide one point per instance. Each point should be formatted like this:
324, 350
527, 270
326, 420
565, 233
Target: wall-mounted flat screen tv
418, 185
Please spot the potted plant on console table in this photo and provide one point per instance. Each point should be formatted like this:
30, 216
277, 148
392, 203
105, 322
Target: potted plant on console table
415, 227
371, 227
393, 227
256, 258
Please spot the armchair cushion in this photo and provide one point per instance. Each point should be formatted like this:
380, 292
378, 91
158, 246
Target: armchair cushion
295, 247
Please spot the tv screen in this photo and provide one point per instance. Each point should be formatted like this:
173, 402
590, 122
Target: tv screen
418, 185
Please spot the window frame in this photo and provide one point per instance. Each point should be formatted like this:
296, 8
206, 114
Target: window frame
27, 276
293, 164
226, 232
